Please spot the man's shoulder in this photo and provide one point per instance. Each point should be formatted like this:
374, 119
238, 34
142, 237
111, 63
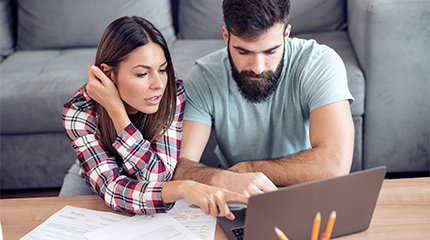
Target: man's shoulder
214, 59
212, 66
309, 54
307, 47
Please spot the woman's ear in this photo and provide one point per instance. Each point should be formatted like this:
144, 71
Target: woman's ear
107, 70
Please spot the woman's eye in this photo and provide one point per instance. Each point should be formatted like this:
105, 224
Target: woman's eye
164, 70
142, 74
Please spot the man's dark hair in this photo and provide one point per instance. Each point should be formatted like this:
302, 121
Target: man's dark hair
249, 19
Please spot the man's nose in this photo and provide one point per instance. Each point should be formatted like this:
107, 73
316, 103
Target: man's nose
258, 63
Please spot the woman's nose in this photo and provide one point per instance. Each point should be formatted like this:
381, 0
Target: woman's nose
157, 82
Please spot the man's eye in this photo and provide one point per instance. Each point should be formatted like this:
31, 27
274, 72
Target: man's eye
243, 53
271, 52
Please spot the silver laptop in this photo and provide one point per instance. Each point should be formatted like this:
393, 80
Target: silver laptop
292, 209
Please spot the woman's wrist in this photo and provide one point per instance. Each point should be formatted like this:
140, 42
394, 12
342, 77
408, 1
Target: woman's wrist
120, 119
174, 190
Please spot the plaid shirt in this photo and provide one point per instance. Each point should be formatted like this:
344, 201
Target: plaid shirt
136, 186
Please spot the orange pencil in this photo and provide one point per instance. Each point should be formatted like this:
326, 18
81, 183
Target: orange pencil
330, 225
280, 234
316, 226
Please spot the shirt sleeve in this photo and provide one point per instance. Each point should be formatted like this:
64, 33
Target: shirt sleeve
145, 162
199, 97
324, 80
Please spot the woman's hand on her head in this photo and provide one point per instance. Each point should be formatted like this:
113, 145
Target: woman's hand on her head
212, 200
102, 89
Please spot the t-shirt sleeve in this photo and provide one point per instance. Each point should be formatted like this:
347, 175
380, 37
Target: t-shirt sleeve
324, 80
199, 107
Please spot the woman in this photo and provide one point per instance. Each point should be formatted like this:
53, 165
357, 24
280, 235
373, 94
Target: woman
125, 125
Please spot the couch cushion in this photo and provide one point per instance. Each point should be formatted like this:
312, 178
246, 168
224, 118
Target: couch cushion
306, 16
186, 52
317, 15
36, 84
339, 41
35, 160
81, 23
208, 15
6, 29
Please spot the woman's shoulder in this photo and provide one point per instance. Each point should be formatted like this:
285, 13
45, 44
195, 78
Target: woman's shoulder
80, 100
180, 89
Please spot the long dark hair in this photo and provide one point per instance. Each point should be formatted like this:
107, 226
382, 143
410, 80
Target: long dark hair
248, 19
119, 39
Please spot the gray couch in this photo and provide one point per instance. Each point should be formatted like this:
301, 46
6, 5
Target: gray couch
46, 46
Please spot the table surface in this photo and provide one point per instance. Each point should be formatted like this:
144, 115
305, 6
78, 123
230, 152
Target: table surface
402, 212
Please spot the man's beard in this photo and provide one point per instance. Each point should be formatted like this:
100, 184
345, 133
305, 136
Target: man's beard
256, 91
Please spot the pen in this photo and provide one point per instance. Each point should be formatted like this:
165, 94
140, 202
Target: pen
316, 226
280, 234
330, 225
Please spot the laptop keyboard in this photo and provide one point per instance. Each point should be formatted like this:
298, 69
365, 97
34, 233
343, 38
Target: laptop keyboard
239, 232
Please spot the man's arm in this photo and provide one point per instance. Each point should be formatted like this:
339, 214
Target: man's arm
194, 139
331, 131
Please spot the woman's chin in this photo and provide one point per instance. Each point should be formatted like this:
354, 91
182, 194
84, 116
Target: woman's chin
150, 110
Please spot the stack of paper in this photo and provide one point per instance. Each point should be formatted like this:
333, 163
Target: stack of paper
182, 222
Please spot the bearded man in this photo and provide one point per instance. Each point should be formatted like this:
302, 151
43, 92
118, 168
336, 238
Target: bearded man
280, 106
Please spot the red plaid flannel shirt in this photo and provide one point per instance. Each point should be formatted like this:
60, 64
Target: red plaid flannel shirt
136, 186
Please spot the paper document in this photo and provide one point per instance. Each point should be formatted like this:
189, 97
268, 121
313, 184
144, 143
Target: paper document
72, 223
183, 222
156, 227
194, 219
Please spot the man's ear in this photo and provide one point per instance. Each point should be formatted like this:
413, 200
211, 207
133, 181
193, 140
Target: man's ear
287, 32
107, 70
225, 34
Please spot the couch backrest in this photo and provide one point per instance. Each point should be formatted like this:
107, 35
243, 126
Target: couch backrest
6, 29
200, 19
45, 24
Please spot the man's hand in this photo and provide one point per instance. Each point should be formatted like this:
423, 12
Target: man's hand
247, 184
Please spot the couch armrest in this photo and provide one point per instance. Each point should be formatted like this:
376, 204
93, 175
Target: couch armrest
392, 41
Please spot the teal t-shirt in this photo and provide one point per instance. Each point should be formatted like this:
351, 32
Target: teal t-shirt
313, 76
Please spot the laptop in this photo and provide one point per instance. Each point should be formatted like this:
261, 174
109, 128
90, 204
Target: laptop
292, 209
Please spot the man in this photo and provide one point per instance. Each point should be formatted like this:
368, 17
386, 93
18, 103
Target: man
279, 106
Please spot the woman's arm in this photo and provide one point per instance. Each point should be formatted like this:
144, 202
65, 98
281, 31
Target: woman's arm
101, 170
141, 158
